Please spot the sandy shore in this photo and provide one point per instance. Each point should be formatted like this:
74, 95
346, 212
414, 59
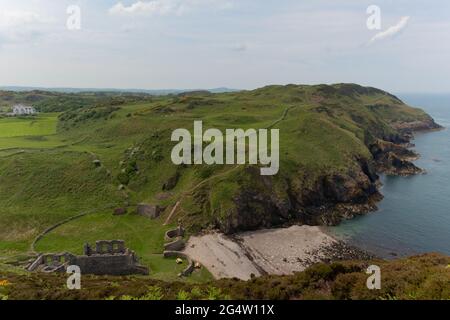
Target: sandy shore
274, 251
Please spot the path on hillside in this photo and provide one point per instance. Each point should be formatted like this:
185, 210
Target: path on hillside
283, 117
184, 194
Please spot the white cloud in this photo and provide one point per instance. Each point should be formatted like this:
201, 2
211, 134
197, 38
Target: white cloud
164, 7
19, 26
159, 7
9, 19
391, 31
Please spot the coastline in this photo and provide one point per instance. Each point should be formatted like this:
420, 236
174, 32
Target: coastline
290, 249
410, 145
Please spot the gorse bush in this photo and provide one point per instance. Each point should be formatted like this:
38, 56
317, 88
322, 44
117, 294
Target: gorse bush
422, 277
183, 295
83, 115
153, 293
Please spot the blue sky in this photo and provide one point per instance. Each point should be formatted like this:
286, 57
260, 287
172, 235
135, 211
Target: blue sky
234, 43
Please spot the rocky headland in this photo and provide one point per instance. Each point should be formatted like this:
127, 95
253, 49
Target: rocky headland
332, 197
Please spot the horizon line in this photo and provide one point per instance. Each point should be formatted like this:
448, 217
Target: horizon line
25, 88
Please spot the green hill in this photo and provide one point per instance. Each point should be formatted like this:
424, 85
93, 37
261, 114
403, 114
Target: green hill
328, 135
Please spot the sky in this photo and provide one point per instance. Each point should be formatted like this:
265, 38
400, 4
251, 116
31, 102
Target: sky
242, 44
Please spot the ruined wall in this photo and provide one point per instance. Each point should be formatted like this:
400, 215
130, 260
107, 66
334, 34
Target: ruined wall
50, 261
176, 254
109, 257
116, 265
174, 233
176, 245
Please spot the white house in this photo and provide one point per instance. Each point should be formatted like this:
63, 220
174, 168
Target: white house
20, 109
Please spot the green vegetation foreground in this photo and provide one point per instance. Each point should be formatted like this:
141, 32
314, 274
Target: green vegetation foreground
416, 278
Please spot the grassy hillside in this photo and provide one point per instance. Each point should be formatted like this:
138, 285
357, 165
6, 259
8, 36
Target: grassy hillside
47, 172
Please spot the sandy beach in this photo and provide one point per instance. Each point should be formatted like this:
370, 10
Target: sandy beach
275, 251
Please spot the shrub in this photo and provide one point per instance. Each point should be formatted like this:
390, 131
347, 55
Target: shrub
183, 295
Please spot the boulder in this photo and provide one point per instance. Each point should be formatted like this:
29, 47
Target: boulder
120, 211
172, 182
148, 210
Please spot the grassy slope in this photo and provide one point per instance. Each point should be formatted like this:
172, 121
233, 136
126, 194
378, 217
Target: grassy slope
47, 178
38, 189
29, 132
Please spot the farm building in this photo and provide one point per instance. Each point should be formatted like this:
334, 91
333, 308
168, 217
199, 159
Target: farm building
20, 109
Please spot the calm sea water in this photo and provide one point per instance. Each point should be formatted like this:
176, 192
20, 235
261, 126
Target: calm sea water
414, 216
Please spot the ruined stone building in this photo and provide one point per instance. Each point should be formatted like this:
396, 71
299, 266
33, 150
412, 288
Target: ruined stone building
107, 258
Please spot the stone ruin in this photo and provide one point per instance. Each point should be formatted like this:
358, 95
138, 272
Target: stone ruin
149, 210
174, 246
107, 258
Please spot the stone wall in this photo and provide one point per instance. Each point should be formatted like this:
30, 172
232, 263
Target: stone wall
176, 245
176, 254
51, 261
106, 247
115, 265
174, 248
174, 233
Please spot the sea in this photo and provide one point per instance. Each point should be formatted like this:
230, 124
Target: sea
414, 216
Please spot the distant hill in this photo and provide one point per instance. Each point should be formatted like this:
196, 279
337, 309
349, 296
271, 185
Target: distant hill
81, 90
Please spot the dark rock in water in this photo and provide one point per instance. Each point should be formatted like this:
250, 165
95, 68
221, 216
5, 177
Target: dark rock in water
148, 210
394, 159
120, 211
381, 148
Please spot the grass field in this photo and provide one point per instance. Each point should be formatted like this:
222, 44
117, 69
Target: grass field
39, 125
29, 132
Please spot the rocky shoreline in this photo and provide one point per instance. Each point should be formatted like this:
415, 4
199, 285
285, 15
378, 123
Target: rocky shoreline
333, 197
394, 156
342, 251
